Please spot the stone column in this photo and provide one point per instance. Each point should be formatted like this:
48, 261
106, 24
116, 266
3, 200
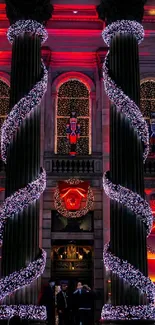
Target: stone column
127, 233
21, 238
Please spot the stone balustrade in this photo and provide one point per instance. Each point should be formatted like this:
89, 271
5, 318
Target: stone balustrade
90, 165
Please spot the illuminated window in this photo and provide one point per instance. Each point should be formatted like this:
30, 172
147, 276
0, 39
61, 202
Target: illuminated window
72, 258
147, 98
73, 96
4, 101
147, 104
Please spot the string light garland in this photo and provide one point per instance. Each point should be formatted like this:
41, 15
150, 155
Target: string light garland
131, 200
25, 196
60, 207
21, 199
126, 197
23, 311
123, 103
26, 104
23, 277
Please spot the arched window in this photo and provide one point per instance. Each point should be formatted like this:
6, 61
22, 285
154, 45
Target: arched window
73, 96
147, 104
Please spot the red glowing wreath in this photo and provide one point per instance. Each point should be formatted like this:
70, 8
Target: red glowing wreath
73, 198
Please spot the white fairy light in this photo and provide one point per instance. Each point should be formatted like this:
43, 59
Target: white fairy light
26, 104
133, 201
123, 103
23, 311
21, 199
23, 277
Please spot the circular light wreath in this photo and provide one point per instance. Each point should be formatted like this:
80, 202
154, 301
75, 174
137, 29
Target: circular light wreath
70, 214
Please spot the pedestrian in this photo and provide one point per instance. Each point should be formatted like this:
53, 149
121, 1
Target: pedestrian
63, 304
47, 299
86, 306
75, 303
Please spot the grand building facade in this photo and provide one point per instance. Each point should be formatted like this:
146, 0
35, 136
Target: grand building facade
74, 54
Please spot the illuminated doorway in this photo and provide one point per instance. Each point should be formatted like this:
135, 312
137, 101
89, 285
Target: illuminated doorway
71, 262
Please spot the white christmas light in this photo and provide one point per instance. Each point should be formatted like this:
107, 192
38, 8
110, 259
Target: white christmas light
23, 277
126, 197
23, 311
27, 26
21, 199
123, 103
25, 196
131, 200
26, 104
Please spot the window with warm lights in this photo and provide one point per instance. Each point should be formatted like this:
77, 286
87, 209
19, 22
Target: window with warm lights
4, 102
73, 96
147, 104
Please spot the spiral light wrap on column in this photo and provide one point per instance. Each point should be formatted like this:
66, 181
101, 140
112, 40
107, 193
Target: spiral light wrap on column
129, 199
25, 196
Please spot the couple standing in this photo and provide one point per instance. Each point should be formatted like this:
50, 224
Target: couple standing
77, 308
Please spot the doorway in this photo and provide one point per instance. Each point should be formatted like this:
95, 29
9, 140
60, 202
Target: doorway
72, 261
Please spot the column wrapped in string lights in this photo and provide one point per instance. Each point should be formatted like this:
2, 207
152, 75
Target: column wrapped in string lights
132, 292
22, 259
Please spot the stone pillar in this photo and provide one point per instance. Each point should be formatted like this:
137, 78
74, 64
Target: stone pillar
93, 126
21, 238
127, 233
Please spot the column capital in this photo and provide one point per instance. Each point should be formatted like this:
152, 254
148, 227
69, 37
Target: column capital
113, 10
40, 11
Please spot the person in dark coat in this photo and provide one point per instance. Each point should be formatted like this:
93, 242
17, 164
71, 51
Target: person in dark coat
63, 304
75, 302
86, 306
47, 299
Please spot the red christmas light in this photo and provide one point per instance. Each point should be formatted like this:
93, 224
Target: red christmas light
72, 195
73, 198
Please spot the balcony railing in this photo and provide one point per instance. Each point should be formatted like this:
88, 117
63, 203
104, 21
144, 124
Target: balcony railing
57, 165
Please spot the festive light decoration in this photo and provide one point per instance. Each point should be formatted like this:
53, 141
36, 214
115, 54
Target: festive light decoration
21, 199
123, 103
24, 311
131, 200
73, 96
4, 102
27, 26
72, 195
25, 196
22, 278
34, 97
147, 101
60, 206
73, 133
